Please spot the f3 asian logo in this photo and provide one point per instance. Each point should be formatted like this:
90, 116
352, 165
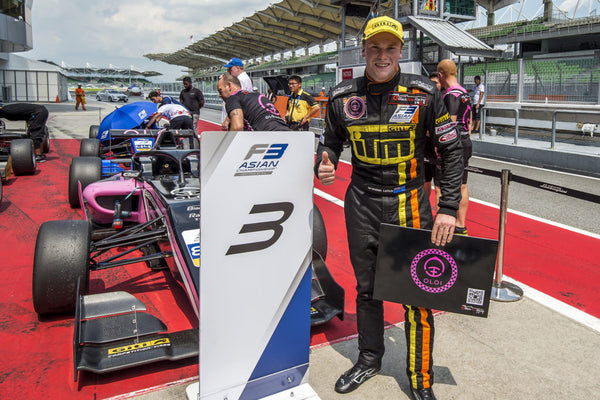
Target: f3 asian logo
261, 159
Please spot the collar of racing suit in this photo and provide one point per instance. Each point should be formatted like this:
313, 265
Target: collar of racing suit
383, 87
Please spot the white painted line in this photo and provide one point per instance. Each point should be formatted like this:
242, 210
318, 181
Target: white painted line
562, 308
539, 219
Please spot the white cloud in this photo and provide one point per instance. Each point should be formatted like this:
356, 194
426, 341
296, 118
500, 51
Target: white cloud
120, 32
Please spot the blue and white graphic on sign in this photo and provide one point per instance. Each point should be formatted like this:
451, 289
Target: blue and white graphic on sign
261, 159
191, 239
256, 239
404, 114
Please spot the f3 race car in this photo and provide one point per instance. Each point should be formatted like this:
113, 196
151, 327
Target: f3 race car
113, 154
16, 152
149, 213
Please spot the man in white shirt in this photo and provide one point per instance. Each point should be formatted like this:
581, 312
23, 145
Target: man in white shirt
179, 117
478, 102
235, 67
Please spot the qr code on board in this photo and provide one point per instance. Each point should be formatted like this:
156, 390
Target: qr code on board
475, 296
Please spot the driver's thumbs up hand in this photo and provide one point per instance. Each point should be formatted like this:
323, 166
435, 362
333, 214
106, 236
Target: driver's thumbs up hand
326, 170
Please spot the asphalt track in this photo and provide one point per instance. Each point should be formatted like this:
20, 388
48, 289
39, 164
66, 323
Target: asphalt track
528, 341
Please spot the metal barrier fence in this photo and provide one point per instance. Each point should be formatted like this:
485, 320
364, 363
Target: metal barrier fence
502, 290
544, 80
517, 121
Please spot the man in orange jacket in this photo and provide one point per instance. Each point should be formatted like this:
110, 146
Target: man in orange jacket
79, 98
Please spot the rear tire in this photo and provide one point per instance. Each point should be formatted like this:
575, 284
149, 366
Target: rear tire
93, 134
89, 148
85, 170
23, 156
319, 233
62, 256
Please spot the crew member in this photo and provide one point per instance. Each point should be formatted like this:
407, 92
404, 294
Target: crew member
385, 115
79, 98
458, 103
193, 99
178, 116
35, 117
248, 111
301, 106
235, 67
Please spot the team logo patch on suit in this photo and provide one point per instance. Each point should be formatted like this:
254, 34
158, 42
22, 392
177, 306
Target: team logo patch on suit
355, 107
447, 137
404, 114
407, 99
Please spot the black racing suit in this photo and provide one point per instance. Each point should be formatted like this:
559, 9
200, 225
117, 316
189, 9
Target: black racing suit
33, 114
458, 102
386, 124
260, 114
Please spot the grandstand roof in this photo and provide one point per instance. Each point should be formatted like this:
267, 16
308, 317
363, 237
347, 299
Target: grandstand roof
283, 26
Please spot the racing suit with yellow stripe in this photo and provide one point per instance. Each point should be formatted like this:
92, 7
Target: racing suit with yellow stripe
386, 125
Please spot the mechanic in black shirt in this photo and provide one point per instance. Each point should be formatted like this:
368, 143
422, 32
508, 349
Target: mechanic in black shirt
248, 111
35, 116
193, 99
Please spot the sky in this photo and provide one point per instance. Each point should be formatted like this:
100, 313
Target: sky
119, 32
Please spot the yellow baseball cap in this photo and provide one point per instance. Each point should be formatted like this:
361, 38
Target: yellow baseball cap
381, 25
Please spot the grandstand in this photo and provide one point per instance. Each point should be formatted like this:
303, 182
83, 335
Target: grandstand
550, 58
93, 76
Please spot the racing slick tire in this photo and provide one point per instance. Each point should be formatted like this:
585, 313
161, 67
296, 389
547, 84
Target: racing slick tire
319, 233
23, 156
46, 141
85, 170
89, 148
61, 258
93, 134
0, 189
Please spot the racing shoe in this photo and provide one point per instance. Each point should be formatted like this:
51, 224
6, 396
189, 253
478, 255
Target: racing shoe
458, 230
422, 394
40, 158
354, 377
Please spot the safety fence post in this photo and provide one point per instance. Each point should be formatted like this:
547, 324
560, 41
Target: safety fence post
503, 291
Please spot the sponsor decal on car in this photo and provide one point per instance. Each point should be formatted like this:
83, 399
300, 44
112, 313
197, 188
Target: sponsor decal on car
191, 239
261, 159
137, 347
142, 144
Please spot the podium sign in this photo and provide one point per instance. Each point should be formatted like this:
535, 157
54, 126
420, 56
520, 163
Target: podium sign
256, 250
456, 278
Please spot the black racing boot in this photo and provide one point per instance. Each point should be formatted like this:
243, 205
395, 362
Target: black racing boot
458, 230
354, 377
422, 394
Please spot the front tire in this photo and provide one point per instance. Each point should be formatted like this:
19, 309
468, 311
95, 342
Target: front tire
23, 156
319, 233
89, 148
85, 170
93, 133
62, 257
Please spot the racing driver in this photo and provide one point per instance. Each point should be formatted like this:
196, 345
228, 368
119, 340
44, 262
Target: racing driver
385, 115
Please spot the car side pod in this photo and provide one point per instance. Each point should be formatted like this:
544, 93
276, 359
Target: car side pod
327, 296
113, 332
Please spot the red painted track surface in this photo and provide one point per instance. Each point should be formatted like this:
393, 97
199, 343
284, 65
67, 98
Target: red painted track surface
37, 352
